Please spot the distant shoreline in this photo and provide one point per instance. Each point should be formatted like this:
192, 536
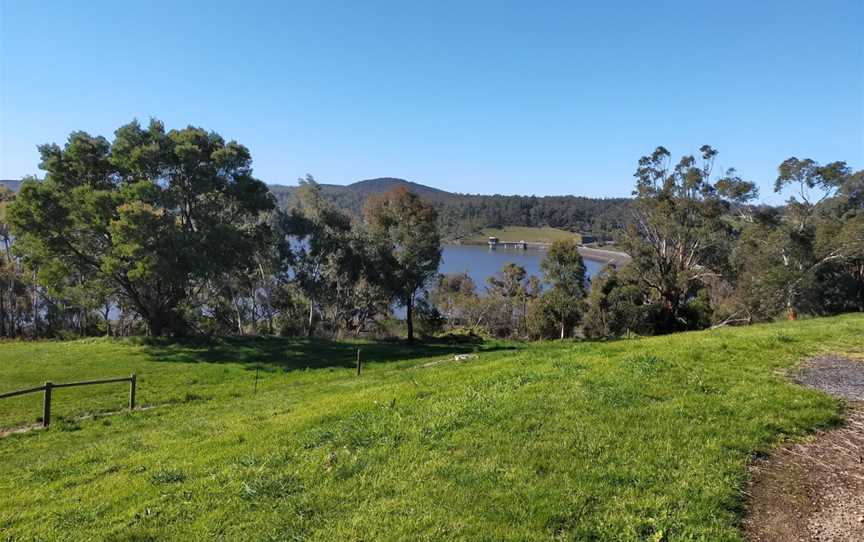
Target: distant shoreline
604, 256
595, 254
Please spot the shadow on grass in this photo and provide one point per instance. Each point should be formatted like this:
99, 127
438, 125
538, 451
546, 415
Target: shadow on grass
290, 354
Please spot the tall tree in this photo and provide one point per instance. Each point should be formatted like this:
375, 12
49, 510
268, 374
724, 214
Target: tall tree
564, 270
616, 304
509, 292
15, 302
154, 214
811, 256
680, 237
453, 295
406, 231
321, 247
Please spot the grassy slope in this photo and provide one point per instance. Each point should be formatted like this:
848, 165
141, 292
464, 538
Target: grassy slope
611, 441
519, 233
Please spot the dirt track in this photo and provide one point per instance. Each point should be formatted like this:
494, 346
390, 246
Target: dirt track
815, 490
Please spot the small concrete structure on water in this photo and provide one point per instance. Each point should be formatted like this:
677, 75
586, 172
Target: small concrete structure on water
494, 243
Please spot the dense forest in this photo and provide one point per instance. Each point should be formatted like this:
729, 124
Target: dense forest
167, 232
460, 215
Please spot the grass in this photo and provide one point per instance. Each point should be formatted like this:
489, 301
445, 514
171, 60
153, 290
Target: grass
519, 233
171, 372
630, 440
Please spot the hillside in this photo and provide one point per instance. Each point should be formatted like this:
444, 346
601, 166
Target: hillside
352, 196
515, 234
11, 184
463, 215
645, 439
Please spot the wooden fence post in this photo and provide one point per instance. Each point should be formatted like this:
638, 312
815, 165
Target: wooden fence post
46, 405
132, 392
359, 362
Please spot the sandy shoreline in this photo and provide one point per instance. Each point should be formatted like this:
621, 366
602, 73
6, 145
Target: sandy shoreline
604, 256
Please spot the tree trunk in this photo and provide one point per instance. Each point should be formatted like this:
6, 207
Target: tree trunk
525, 317
237, 314
310, 327
156, 326
165, 321
107, 320
409, 313
562, 330
35, 307
3, 314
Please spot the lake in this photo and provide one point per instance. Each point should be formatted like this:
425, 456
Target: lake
480, 262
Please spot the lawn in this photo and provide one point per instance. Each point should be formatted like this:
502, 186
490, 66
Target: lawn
643, 439
519, 233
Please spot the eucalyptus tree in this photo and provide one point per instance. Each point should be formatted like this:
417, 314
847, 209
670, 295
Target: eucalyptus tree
564, 271
404, 231
454, 295
810, 256
617, 304
510, 291
681, 238
242, 301
15, 295
321, 250
153, 214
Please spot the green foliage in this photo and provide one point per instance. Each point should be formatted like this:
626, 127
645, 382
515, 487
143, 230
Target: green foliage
404, 233
561, 306
168, 232
456, 299
461, 216
505, 307
430, 322
681, 238
811, 258
15, 305
551, 315
616, 304
564, 269
323, 251
147, 216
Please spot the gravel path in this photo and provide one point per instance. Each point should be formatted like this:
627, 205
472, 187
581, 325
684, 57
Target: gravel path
838, 376
815, 490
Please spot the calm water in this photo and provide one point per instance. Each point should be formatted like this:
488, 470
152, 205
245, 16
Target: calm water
480, 262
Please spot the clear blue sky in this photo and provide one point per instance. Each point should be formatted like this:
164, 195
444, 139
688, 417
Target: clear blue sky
483, 97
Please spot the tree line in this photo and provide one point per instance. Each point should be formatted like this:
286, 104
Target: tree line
703, 254
168, 232
461, 215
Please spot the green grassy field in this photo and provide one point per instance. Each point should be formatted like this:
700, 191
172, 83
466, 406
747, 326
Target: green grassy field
519, 233
630, 440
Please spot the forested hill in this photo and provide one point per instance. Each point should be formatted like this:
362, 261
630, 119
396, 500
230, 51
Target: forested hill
352, 197
463, 214
11, 184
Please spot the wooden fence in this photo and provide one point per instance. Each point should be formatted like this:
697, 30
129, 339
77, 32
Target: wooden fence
48, 387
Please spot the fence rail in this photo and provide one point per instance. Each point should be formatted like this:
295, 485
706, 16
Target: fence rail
48, 387
21, 392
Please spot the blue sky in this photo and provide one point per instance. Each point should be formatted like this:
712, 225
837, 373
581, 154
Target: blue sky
482, 97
